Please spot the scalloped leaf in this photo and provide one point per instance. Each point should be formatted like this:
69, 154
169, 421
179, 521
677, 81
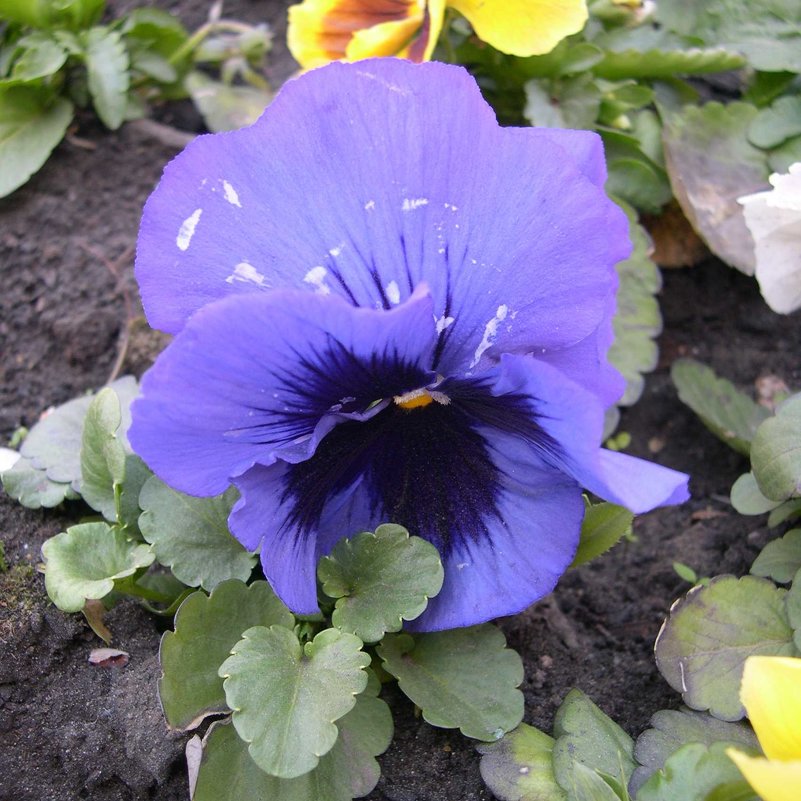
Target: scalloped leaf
729, 414
463, 678
777, 123
711, 163
709, 634
107, 66
83, 562
349, 770
207, 627
519, 766
656, 63
776, 452
692, 773
603, 526
780, 559
191, 535
380, 580
40, 56
637, 321
588, 737
670, 729
287, 696
102, 454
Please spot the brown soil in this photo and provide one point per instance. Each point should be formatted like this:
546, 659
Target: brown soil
69, 730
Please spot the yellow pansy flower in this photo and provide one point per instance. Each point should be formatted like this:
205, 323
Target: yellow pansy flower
771, 694
348, 30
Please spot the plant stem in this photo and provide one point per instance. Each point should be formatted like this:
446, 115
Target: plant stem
221, 26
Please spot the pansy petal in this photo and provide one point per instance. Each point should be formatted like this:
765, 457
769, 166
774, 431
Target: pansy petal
772, 780
422, 47
523, 27
384, 39
529, 543
367, 179
320, 31
255, 377
771, 694
572, 417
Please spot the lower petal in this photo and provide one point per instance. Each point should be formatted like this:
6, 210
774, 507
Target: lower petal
772, 780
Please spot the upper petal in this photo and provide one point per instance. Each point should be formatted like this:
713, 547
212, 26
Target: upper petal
254, 377
771, 694
366, 179
523, 27
773, 780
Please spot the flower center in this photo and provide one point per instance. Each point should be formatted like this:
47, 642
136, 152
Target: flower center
418, 398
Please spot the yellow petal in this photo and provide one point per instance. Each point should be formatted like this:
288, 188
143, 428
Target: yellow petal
523, 27
423, 45
384, 39
322, 30
772, 780
771, 694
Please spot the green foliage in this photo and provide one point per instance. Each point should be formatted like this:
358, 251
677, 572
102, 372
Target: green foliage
206, 629
776, 453
461, 678
729, 414
53, 53
287, 696
692, 773
747, 498
776, 124
604, 525
710, 633
670, 729
519, 767
191, 537
380, 580
780, 559
84, 562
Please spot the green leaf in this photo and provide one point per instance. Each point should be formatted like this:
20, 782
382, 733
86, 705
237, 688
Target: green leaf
206, 629
84, 561
781, 158
747, 499
768, 34
31, 125
128, 511
224, 107
775, 124
191, 536
571, 103
40, 57
286, 696
728, 413
655, 63
776, 452
107, 67
784, 512
603, 526
380, 580
519, 766
585, 735
102, 454
637, 321
780, 559
691, 774
634, 178
671, 729
793, 602
32, 488
709, 634
586, 784
711, 163
349, 770
462, 678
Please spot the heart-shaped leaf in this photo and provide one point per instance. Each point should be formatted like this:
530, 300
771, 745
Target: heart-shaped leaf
206, 629
380, 580
776, 452
191, 536
462, 678
780, 559
84, 562
286, 696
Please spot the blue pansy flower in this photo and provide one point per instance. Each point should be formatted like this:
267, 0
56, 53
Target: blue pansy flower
388, 308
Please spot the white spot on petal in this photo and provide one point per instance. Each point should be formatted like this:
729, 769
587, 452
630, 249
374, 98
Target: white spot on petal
370, 205
247, 273
393, 292
316, 277
410, 204
490, 332
230, 194
335, 251
187, 229
443, 322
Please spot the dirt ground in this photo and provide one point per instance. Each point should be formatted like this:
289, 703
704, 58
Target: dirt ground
69, 730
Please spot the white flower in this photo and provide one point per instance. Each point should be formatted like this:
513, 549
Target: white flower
774, 219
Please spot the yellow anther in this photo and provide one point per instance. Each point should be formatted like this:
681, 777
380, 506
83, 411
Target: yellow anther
414, 400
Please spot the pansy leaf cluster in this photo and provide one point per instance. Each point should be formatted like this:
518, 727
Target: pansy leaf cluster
57, 56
